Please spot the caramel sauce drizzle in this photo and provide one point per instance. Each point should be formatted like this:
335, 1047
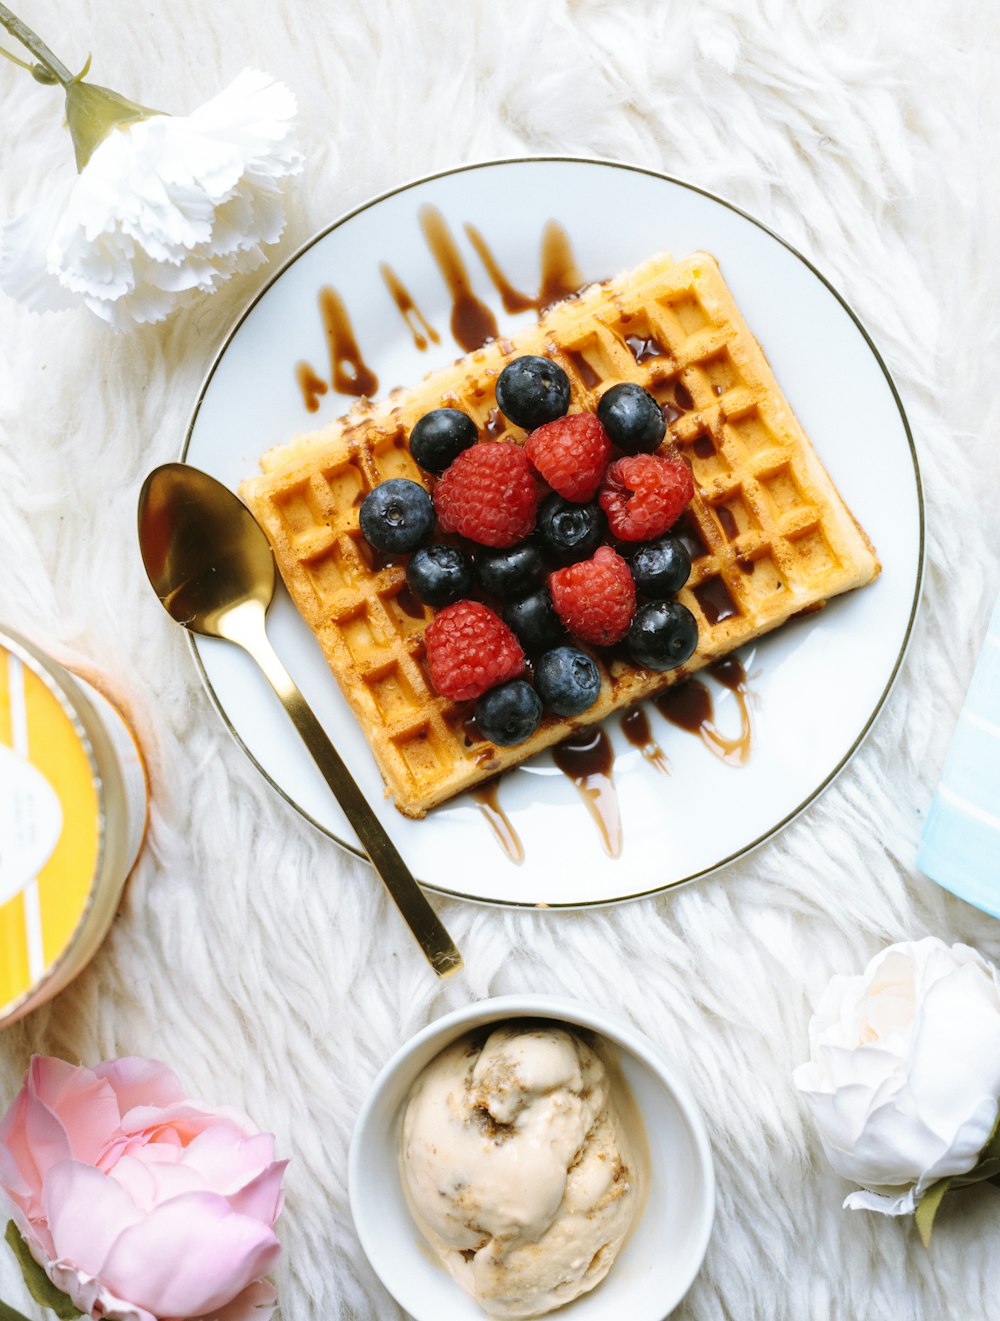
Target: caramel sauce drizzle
472, 322
560, 276
488, 801
311, 385
587, 758
417, 324
688, 705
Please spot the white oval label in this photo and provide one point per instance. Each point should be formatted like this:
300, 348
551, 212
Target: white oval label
30, 822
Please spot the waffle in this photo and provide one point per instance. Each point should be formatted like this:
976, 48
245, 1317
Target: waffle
769, 535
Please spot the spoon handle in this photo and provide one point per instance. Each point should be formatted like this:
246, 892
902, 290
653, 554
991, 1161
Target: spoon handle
411, 901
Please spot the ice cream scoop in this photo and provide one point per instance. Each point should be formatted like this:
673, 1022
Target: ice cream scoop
517, 1169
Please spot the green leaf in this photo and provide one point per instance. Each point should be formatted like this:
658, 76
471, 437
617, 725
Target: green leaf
927, 1209
8, 1314
39, 1285
986, 1169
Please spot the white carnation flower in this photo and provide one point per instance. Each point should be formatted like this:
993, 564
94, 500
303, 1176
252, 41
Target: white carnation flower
164, 206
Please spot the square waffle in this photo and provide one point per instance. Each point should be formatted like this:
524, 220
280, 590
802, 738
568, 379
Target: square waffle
769, 535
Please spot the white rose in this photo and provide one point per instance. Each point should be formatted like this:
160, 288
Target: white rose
164, 206
904, 1072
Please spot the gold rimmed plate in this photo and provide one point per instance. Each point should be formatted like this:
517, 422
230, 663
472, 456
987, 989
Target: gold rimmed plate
748, 748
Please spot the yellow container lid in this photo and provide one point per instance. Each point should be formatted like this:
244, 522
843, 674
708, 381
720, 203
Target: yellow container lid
64, 783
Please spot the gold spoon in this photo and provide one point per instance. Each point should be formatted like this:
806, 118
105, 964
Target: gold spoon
212, 568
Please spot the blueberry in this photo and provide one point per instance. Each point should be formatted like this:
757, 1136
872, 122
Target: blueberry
439, 438
511, 572
570, 532
632, 418
439, 575
661, 567
568, 681
532, 391
397, 515
509, 713
535, 621
662, 635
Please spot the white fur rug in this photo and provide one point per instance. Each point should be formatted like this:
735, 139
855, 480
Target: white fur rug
251, 954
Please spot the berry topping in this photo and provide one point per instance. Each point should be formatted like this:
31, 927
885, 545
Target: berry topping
512, 572
568, 681
535, 621
595, 599
509, 714
439, 437
488, 494
439, 575
663, 635
632, 418
569, 531
571, 454
470, 649
532, 391
645, 494
397, 516
661, 568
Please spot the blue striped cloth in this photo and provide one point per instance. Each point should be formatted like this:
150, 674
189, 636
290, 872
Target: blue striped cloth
960, 848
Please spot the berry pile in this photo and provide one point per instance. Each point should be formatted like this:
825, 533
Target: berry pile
541, 558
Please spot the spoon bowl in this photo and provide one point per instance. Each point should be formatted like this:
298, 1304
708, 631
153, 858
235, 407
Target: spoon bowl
204, 552
211, 566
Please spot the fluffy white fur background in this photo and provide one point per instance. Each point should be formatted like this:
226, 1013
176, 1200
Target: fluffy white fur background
253, 956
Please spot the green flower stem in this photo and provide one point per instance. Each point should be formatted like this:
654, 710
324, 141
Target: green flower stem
8, 1313
45, 58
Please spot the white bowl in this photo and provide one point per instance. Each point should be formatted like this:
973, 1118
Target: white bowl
665, 1249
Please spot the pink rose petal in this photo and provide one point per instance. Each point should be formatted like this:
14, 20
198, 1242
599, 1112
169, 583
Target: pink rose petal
189, 1256
155, 1182
83, 1107
186, 1119
86, 1213
262, 1198
136, 1081
228, 1161
18, 1173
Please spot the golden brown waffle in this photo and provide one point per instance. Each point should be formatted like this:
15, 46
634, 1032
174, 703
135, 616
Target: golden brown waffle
770, 536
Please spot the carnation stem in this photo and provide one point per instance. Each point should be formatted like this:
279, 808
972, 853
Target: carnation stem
49, 62
8, 1313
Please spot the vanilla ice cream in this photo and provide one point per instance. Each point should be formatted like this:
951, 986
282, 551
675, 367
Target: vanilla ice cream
516, 1167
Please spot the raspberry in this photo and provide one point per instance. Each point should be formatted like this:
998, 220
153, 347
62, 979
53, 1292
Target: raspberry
571, 454
470, 649
595, 598
488, 494
644, 494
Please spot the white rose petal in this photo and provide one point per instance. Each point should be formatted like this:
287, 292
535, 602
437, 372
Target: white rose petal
165, 207
903, 1078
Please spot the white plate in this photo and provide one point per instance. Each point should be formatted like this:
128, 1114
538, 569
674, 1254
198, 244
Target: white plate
818, 683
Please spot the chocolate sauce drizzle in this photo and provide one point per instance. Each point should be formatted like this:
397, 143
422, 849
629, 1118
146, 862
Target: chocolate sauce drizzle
689, 706
472, 322
348, 370
560, 275
417, 324
488, 801
311, 385
587, 757
635, 727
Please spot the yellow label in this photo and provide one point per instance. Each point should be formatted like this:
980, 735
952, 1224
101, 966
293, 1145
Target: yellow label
49, 828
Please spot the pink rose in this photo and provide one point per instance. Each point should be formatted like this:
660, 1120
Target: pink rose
138, 1203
